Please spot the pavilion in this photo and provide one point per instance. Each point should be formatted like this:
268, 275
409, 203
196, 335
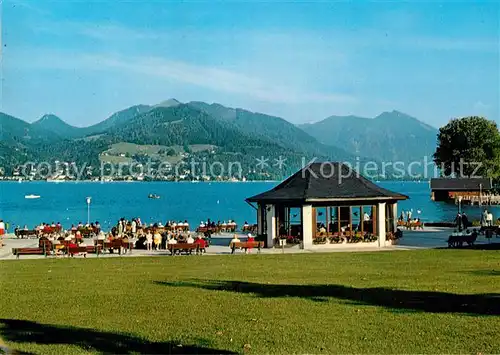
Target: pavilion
326, 201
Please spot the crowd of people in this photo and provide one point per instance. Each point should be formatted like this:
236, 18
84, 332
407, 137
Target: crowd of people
486, 219
155, 236
230, 224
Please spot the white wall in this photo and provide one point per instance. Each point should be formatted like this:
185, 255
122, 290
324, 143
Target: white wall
260, 220
381, 224
271, 225
307, 226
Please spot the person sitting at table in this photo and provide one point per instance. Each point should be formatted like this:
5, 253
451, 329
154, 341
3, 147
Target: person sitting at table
344, 229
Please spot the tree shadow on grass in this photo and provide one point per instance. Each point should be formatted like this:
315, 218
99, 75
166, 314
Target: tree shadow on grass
427, 301
23, 331
486, 272
481, 246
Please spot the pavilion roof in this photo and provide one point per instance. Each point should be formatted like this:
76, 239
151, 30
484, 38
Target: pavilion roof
325, 182
461, 184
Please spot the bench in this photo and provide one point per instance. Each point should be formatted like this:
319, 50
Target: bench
71, 251
459, 240
411, 225
252, 228
21, 233
116, 244
246, 246
28, 251
179, 248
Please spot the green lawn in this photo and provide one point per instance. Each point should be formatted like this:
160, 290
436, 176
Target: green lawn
432, 301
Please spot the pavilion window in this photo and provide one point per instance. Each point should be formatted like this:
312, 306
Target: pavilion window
368, 223
345, 219
356, 219
290, 224
321, 221
333, 221
389, 218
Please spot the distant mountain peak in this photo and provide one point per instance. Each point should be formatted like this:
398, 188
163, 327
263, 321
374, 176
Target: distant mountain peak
393, 114
49, 117
169, 103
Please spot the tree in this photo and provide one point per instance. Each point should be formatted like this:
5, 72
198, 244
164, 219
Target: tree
468, 147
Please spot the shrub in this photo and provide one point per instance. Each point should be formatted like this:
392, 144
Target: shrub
319, 240
368, 238
336, 239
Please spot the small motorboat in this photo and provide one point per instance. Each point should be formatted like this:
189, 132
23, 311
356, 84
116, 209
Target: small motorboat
153, 196
31, 197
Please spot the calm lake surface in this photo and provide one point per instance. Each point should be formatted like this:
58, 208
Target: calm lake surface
66, 202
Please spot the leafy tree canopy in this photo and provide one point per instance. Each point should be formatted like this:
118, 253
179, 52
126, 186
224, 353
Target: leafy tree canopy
468, 147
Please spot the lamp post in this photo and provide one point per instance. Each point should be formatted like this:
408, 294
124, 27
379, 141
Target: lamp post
89, 200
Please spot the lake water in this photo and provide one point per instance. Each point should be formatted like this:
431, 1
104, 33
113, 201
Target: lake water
66, 202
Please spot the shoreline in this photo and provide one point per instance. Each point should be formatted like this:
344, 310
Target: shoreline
14, 180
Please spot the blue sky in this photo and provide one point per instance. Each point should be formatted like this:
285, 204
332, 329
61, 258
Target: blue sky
303, 61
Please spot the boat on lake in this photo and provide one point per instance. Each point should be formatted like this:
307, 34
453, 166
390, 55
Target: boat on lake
153, 196
31, 197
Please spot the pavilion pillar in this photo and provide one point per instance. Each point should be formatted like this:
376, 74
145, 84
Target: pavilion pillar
260, 220
271, 225
381, 224
307, 227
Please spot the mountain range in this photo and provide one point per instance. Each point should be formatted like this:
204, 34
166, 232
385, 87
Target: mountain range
391, 136
213, 132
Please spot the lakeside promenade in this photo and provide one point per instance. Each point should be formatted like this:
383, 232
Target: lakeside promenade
427, 239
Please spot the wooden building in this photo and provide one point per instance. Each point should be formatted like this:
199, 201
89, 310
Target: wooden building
326, 200
450, 189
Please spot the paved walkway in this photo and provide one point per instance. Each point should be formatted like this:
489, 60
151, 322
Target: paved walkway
427, 239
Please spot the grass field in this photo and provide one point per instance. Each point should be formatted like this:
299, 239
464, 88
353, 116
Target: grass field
432, 301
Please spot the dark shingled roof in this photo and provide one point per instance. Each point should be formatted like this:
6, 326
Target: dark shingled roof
326, 181
461, 184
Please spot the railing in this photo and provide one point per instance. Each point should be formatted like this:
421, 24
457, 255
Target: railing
480, 200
